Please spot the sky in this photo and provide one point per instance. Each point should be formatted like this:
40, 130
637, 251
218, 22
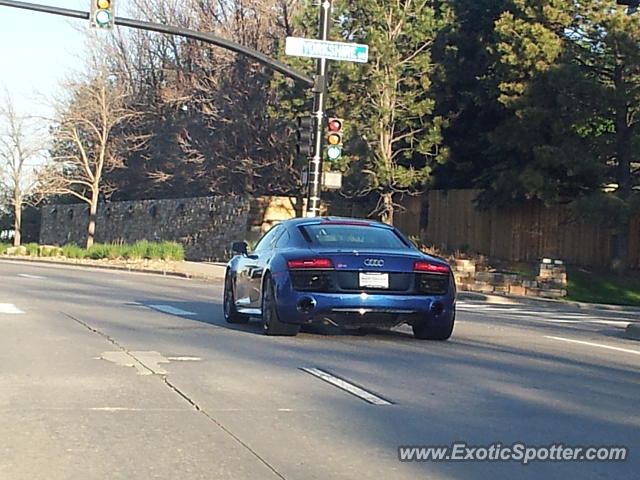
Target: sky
37, 51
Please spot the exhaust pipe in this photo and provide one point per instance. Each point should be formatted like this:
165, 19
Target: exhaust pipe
306, 304
437, 308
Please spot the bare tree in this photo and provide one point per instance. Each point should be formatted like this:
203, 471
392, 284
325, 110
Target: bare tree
85, 141
211, 112
22, 152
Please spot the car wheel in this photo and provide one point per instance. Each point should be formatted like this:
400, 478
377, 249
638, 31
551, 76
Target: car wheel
231, 315
271, 323
426, 330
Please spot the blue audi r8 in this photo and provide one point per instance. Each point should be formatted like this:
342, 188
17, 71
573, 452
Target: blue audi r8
345, 272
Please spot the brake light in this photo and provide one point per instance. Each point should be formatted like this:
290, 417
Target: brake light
420, 266
357, 223
310, 263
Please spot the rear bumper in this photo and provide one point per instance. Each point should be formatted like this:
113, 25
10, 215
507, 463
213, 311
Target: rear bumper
363, 310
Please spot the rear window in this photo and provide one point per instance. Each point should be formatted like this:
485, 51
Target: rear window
352, 236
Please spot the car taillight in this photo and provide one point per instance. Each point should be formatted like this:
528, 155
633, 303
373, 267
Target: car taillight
429, 267
310, 263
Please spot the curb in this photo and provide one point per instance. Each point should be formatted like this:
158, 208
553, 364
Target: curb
632, 331
128, 269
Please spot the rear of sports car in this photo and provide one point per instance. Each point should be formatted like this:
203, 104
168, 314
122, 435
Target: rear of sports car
371, 287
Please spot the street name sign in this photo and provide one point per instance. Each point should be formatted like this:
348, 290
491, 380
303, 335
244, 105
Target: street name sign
308, 47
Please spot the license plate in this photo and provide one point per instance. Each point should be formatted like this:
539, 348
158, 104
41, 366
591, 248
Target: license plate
374, 280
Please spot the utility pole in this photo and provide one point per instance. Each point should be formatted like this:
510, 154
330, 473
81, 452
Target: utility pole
319, 98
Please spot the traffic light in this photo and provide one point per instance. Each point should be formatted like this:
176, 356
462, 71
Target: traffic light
102, 13
304, 136
334, 138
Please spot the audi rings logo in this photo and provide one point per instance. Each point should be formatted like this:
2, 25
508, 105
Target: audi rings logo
374, 262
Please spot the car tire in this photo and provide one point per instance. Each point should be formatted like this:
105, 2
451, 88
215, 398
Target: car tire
271, 323
231, 314
426, 330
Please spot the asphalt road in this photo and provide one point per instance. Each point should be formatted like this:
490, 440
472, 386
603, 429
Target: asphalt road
107, 375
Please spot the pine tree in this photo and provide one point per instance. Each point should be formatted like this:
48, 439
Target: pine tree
388, 103
571, 76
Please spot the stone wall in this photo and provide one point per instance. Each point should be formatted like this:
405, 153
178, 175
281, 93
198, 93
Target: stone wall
549, 280
204, 226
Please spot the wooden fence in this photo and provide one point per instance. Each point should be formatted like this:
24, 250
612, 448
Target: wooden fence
449, 221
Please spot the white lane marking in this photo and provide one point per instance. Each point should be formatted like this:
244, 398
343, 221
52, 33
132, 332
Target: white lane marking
9, 308
115, 409
509, 310
555, 320
33, 277
555, 317
347, 387
184, 359
591, 344
615, 323
169, 309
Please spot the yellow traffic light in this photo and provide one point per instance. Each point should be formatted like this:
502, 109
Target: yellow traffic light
334, 139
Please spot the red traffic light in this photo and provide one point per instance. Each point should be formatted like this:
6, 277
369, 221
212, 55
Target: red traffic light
334, 124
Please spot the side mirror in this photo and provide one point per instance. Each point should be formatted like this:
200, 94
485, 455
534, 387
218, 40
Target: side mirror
239, 248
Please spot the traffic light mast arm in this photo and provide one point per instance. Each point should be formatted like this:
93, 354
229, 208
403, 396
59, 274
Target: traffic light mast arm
183, 32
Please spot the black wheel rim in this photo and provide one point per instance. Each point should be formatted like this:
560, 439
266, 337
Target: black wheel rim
267, 304
228, 297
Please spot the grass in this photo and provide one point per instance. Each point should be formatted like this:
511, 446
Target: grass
32, 249
73, 251
137, 251
596, 287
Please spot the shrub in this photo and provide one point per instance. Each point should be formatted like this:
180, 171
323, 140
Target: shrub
32, 249
74, 251
139, 250
49, 251
115, 250
172, 251
98, 251
156, 250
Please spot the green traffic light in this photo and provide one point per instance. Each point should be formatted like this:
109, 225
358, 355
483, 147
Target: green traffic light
334, 152
103, 17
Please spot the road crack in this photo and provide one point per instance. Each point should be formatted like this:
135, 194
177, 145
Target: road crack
179, 392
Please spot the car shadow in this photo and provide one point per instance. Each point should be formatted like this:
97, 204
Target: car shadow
210, 313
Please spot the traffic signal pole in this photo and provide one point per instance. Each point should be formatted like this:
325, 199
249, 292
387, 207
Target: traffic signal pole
319, 99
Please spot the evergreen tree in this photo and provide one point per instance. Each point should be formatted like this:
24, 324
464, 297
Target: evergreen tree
571, 76
466, 90
389, 101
